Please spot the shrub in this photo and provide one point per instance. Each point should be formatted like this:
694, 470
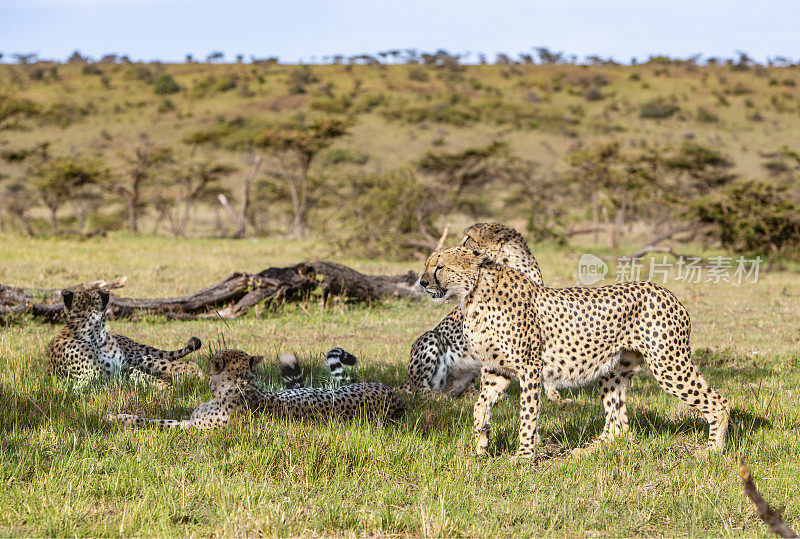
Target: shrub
227, 82
91, 69
138, 72
593, 94
165, 85
386, 215
335, 156
706, 116
657, 109
419, 74
751, 217
331, 105
300, 78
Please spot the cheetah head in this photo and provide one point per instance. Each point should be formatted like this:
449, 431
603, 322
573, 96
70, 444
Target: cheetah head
232, 367
452, 272
81, 308
497, 239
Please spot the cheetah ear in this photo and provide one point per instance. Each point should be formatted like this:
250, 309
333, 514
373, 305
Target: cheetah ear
505, 235
255, 361
217, 364
67, 296
104, 297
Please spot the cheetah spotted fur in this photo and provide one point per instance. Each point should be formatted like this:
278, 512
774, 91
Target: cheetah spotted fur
440, 360
85, 352
236, 391
517, 328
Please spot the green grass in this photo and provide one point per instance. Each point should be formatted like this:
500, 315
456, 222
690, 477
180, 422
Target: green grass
63, 472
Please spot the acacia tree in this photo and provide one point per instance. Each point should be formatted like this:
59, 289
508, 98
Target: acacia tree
200, 181
58, 179
594, 169
16, 200
140, 168
295, 147
465, 173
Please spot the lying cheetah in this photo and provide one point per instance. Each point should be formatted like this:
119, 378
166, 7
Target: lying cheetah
236, 390
440, 359
336, 360
517, 328
84, 351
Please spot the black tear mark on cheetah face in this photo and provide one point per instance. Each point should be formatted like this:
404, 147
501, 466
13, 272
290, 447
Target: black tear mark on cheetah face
452, 272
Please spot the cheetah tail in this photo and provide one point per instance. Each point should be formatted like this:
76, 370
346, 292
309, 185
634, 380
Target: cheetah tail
336, 358
130, 420
191, 345
290, 371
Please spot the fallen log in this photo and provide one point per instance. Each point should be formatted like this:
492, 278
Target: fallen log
231, 297
339, 280
12, 295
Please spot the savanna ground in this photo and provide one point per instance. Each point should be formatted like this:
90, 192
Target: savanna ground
64, 472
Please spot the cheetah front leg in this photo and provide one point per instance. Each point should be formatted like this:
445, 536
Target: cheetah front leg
530, 403
493, 385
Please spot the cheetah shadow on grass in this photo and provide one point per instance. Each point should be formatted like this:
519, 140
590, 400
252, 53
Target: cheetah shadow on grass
581, 422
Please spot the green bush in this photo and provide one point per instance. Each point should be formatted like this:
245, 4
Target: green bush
331, 105
752, 217
706, 116
419, 74
336, 156
226, 83
385, 216
657, 109
165, 85
300, 78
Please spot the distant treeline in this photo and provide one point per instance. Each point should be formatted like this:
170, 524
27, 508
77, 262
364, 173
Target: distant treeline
441, 57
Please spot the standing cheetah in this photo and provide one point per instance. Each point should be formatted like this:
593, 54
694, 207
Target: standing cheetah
85, 351
440, 359
236, 390
517, 328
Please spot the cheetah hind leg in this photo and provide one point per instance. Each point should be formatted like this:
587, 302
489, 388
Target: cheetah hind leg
696, 392
613, 390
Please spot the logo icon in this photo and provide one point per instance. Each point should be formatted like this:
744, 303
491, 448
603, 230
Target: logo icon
591, 269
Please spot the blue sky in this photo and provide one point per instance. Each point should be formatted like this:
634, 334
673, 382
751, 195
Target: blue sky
302, 29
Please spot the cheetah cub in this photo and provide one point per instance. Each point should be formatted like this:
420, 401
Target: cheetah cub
517, 328
233, 383
85, 351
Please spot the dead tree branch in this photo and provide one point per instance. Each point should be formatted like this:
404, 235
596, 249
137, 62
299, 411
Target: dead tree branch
771, 517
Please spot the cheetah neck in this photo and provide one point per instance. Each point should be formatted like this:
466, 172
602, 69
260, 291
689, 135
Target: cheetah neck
242, 392
95, 333
482, 291
518, 257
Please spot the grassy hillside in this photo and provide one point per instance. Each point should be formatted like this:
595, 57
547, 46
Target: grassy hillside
401, 111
